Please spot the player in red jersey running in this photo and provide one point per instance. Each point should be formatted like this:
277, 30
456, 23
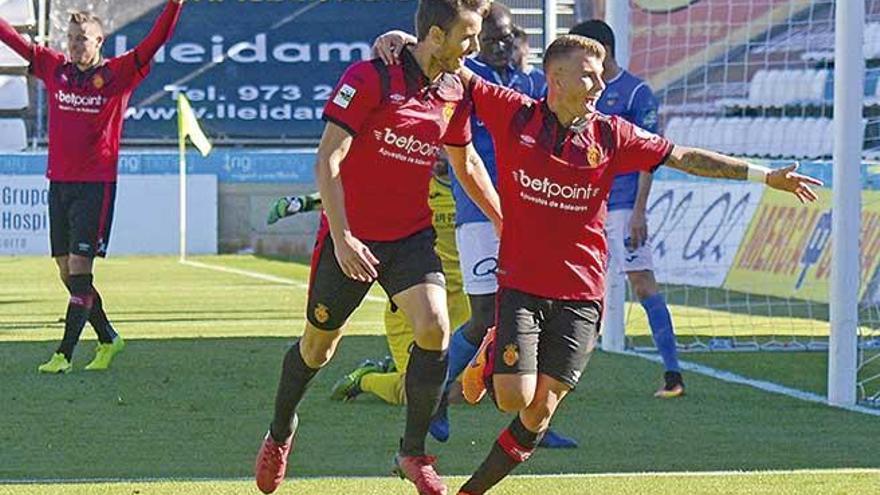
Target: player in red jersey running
557, 159
385, 128
88, 96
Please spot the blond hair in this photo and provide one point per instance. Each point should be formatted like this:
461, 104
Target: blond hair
81, 17
567, 44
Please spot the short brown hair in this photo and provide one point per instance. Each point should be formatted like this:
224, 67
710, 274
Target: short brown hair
443, 13
567, 44
80, 17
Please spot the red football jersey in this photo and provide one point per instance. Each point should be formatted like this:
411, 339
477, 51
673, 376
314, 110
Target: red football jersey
399, 121
554, 184
86, 108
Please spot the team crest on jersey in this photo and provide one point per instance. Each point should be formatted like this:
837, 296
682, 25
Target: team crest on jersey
322, 313
594, 156
448, 110
98, 81
511, 354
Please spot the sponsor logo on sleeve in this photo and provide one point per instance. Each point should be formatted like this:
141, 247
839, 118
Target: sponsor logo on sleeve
344, 96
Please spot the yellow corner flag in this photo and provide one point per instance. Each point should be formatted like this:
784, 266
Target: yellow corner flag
188, 125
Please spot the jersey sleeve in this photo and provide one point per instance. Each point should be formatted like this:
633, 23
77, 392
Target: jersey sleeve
354, 98
44, 61
644, 108
159, 34
458, 133
495, 105
638, 150
128, 71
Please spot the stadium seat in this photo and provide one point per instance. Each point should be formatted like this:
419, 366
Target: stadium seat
752, 141
18, 12
698, 133
757, 87
13, 135
817, 85
797, 147
825, 137
871, 46
779, 87
779, 137
732, 132
677, 129
712, 138
9, 58
13, 92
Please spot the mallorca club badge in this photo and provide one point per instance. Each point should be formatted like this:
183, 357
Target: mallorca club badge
448, 110
322, 313
511, 354
98, 81
594, 156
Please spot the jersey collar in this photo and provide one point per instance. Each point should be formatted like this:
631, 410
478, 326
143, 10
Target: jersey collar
447, 86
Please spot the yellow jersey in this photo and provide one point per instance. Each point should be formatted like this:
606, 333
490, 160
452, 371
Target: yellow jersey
443, 205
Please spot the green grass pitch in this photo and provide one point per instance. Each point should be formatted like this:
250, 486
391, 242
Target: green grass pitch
191, 396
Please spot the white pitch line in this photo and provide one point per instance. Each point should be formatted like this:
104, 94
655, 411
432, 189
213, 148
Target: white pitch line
641, 474
766, 386
263, 276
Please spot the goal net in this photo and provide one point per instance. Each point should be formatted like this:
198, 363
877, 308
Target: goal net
744, 268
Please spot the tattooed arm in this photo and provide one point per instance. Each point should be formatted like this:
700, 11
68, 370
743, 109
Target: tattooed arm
704, 163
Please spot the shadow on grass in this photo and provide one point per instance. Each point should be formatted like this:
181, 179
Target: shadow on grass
199, 408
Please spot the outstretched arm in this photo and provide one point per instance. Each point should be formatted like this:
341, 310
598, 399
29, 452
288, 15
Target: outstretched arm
160, 34
705, 163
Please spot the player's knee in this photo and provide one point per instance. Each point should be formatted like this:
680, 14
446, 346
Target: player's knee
537, 415
431, 330
79, 264
643, 284
317, 349
511, 401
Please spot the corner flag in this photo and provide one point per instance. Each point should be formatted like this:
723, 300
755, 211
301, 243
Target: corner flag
188, 125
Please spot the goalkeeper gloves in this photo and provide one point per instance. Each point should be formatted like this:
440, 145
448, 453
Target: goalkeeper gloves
291, 205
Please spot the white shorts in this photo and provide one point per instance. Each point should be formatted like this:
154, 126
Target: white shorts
478, 256
617, 231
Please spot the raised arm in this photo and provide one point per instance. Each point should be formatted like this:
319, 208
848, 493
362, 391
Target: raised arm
473, 177
11, 38
389, 45
706, 163
160, 34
